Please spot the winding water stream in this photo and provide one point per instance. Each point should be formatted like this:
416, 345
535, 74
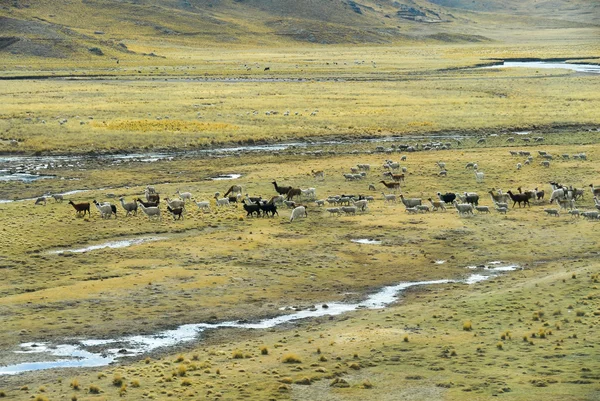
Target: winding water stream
80, 353
588, 68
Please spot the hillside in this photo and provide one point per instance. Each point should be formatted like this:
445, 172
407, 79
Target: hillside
64, 29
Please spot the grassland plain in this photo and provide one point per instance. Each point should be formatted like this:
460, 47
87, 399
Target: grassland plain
523, 335
204, 98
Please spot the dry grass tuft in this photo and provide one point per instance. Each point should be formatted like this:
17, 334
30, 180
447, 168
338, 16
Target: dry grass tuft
291, 358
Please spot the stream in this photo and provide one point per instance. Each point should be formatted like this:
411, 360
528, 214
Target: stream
84, 353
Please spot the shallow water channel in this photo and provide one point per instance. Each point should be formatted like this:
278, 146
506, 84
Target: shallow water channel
588, 68
83, 353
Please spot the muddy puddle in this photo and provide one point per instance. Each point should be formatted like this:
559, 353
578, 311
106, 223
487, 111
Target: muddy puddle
112, 244
101, 352
366, 241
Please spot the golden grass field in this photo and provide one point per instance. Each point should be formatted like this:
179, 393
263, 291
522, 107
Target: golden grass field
523, 335
212, 266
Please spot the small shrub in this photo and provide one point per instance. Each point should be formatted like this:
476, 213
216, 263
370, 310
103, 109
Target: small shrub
305, 380
467, 326
323, 358
453, 353
499, 345
41, 398
284, 388
94, 389
73, 397
181, 370
147, 360
286, 380
291, 358
75, 384
237, 354
117, 380
135, 383
367, 384
195, 357
525, 338
186, 382
2, 394
264, 351
579, 313
123, 390
354, 366
405, 339
180, 358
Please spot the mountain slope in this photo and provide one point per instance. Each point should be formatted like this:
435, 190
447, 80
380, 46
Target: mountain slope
66, 28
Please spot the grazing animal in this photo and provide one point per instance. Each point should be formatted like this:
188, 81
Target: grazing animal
412, 202
391, 185
152, 197
443, 173
254, 199
499, 197
482, 209
184, 195
293, 192
412, 210
152, 211
389, 197
519, 198
502, 210
566, 203
57, 198
281, 190
175, 203
591, 215
203, 205
147, 204
372, 187
81, 207
290, 204
277, 199
470, 197
463, 208
40, 200
129, 207
479, 176
448, 197
251, 209
545, 163
222, 201
150, 189
395, 177
106, 210
552, 212
334, 210
318, 175
441, 165
435, 205
574, 212
234, 189
298, 212
519, 166
269, 208
175, 212
422, 208
595, 191
360, 204
309, 193
349, 209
